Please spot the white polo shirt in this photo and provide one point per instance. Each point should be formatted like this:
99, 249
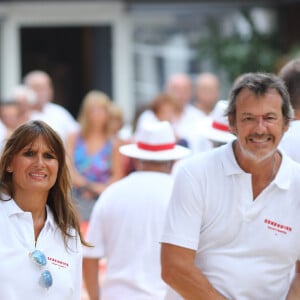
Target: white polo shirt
246, 249
290, 142
125, 227
19, 275
58, 118
186, 125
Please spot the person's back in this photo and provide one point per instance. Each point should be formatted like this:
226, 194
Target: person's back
127, 220
129, 224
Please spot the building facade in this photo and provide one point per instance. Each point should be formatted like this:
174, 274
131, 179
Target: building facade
128, 49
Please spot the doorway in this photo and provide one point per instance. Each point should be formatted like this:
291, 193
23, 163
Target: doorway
78, 59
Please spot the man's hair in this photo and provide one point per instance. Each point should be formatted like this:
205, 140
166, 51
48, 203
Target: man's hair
260, 84
290, 74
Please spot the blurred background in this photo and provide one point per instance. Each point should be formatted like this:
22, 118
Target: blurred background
129, 48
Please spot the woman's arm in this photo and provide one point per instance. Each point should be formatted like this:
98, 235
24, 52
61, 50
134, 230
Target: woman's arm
180, 273
77, 179
118, 169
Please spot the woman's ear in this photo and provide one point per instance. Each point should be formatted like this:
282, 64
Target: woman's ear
9, 169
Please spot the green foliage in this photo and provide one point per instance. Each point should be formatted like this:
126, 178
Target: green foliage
237, 54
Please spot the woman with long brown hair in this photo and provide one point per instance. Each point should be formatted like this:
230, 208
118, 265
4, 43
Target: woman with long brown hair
40, 239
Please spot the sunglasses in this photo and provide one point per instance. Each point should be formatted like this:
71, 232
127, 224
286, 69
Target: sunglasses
39, 258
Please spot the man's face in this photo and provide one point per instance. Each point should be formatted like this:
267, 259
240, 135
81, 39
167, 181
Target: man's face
180, 89
259, 123
207, 91
41, 85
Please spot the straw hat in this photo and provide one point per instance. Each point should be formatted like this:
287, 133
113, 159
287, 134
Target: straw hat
155, 141
218, 127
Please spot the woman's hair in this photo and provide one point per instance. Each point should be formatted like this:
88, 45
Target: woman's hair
162, 99
92, 98
59, 197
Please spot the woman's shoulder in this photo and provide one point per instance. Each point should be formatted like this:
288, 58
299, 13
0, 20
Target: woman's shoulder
74, 136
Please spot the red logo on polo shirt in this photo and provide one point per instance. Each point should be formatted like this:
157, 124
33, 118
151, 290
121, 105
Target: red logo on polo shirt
277, 227
58, 262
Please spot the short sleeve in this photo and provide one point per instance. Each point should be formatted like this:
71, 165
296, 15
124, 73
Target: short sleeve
184, 215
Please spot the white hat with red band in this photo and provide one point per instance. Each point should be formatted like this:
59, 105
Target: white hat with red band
155, 141
218, 129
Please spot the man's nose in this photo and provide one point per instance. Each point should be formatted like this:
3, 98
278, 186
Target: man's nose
40, 159
260, 124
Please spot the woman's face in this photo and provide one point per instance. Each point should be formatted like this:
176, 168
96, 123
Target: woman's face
34, 168
97, 115
166, 112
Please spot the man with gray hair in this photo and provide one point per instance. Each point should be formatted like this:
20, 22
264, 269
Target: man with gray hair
232, 228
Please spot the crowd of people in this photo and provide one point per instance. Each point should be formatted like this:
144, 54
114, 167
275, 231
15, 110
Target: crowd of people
199, 202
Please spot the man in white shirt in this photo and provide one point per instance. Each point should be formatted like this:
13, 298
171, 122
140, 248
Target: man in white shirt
232, 227
290, 74
53, 114
207, 92
179, 86
128, 218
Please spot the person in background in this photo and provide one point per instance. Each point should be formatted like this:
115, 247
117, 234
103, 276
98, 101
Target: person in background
165, 108
128, 218
290, 74
53, 114
10, 116
116, 120
206, 96
120, 132
232, 227
3, 132
94, 159
207, 92
40, 238
179, 86
26, 100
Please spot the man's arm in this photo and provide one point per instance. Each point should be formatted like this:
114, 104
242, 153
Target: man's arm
180, 273
91, 277
294, 291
